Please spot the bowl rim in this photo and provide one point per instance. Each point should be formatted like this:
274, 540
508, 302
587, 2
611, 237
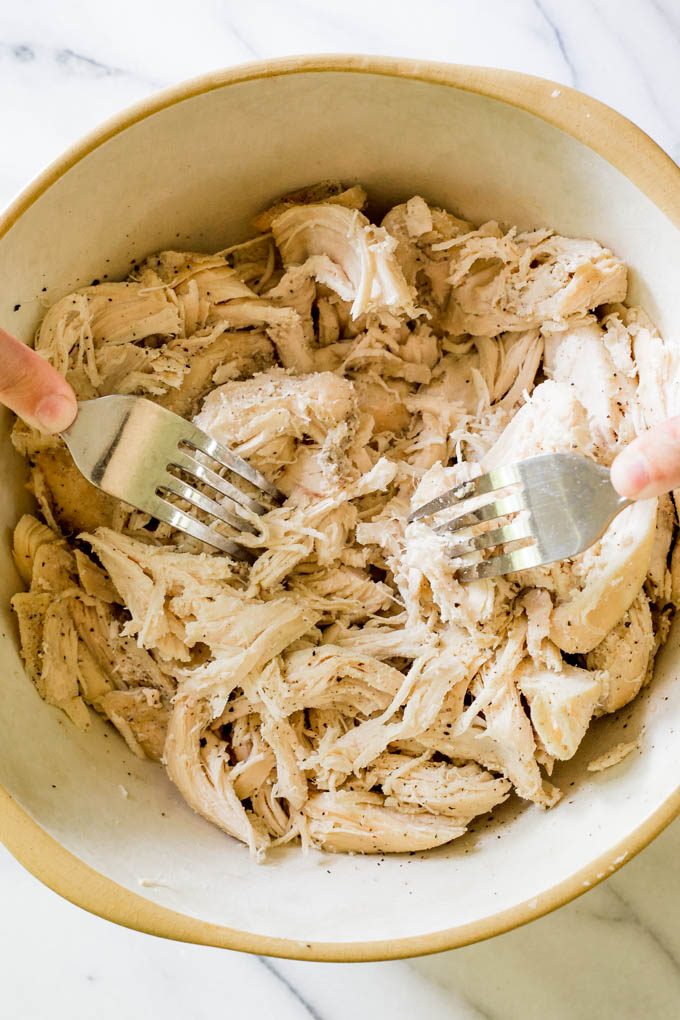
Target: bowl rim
631, 151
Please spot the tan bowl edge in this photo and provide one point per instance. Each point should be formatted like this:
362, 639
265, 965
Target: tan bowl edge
637, 156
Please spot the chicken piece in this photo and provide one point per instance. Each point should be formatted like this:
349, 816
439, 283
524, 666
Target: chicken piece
518, 281
470, 745
331, 192
150, 578
28, 441
292, 534
118, 660
622, 657
328, 677
289, 753
93, 682
458, 791
111, 313
125, 368
426, 562
675, 575
243, 635
552, 421
419, 699
31, 608
54, 568
216, 359
255, 761
151, 621
342, 592
468, 402
502, 740
613, 756
284, 311
254, 261
262, 418
384, 639
249, 776
580, 357
457, 387
354, 822
308, 476
658, 367
383, 401
418, 217
65, 339
509, 730
328, 325
372, 276
538, 606
199, 281
58, 681
93, 579
610, 575
141, 718
202, 774
29, 535
659, 576
316, 729
129, 312
431, 570
297, 288
419, 229
519, 358
561, 705
76, 504
69, 639
308, 406
269, 808
284, 326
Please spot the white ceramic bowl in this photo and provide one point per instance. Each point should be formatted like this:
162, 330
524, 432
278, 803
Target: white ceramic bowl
189, 168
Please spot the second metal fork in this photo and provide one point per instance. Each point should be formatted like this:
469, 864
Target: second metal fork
560, 503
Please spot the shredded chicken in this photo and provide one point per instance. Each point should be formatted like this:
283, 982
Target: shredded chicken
612, 757
346, 689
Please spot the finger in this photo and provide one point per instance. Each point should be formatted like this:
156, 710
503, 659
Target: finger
651, 464
34, 390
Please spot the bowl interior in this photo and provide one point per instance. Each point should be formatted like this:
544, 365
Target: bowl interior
192, 175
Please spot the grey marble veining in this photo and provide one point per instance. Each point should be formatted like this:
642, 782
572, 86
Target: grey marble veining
615, 952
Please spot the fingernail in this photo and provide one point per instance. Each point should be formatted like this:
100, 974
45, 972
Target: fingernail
630, 473
55, 413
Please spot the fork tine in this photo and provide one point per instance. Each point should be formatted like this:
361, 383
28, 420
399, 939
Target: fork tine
487, 512
498, 478
177, 518
179, 488
508, 563
206, 444
508, 533
215, 481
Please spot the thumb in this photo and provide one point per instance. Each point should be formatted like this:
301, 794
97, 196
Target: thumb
651, 464
34, 390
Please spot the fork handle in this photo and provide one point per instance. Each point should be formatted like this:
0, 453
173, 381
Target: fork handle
32, 388
650, 465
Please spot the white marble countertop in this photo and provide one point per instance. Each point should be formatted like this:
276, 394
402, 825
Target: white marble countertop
615, 952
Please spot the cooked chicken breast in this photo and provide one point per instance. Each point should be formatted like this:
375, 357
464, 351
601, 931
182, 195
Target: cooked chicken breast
346, 689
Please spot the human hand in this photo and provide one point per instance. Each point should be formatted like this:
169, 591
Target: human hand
650, 465
34, 390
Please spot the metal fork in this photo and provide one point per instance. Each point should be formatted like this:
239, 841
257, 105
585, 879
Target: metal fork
560, 503
126, 445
